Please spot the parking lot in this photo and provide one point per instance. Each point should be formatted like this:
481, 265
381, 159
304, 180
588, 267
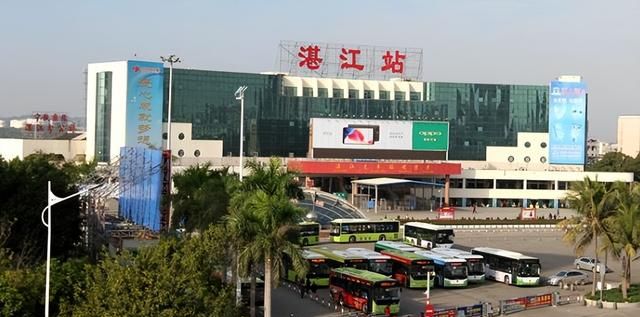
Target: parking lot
554, 255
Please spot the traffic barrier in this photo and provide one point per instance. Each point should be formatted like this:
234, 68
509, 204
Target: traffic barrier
514, 305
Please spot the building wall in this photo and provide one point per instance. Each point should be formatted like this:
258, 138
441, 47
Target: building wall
118, 106
11, 148
629, 135
184, 147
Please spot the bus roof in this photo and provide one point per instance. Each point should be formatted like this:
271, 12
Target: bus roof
429, 226
504, 253
337, 255
310, 255
368, 254
456, 253
404, 255
363, 275
308, 223
436, 257
336, 221
397, 245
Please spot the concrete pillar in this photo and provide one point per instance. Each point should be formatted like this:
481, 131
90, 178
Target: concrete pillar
447, 183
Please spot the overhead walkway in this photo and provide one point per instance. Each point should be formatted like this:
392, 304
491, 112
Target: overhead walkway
328, 207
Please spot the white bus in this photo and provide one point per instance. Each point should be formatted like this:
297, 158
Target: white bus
378, 263
450, 271
510, 267
427, 235
475, 262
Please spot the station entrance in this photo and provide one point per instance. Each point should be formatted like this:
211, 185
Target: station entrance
380, 185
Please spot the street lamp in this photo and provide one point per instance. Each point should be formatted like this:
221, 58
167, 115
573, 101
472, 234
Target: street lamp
52, 199
171, 60
240, 96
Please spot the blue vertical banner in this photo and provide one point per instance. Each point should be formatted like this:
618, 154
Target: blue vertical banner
567, 122
145, 89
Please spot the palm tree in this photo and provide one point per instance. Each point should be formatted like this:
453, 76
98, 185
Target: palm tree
593, 204
263, 222
623, 229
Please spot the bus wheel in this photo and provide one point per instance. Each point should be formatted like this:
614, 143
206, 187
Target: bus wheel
352, 239
305, 242
382, 237
506, 280
365, 309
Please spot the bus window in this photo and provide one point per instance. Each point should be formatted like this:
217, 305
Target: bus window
335, 230
386, 294
529, 269
455, 272
444, 237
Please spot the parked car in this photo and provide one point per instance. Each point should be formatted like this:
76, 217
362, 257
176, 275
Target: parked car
587, 263
569, 277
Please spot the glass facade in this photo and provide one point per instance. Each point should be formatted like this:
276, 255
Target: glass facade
103, 116
277, 121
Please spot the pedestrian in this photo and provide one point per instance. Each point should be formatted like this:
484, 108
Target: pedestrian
489, 310
302, 288
387, 311
474, 211
314, 287
558, 212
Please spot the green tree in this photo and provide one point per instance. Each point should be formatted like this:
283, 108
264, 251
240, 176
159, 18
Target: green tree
623, 229
593, 203
23, 184
263, 221
177, 277
617, 162
202, 196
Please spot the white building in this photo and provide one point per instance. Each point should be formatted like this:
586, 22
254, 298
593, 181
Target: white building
520, 176
72, 147
597, 149
629, 135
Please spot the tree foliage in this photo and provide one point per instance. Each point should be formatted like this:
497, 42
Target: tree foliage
617, 162
202, 196
177, 277
23, 184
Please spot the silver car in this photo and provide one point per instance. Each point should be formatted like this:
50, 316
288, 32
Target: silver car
587, 263
569, 277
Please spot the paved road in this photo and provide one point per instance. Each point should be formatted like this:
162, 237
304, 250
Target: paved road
554, 253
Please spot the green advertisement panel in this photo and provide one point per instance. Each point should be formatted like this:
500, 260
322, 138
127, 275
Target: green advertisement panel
430, 136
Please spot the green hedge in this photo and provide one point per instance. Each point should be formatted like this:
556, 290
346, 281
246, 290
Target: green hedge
486, 221
615, 295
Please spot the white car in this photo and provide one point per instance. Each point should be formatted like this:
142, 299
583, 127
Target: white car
568, 277
587, 263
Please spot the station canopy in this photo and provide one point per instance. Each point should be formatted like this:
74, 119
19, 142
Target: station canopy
382, 181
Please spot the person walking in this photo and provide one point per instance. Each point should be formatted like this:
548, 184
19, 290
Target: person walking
302, 288
474, 210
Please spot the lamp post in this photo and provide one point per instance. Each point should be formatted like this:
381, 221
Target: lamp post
240, 96
171, 60
52, 200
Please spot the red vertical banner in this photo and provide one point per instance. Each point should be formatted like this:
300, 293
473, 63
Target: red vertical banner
165, 209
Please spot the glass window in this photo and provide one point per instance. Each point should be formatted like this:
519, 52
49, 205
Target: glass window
543, 145
196, 153
353, 94
511, 158
307, 92
384, 95
527, 159
479, 183
288, 91
509, 184
323, 92
414, 95
527, 144
399, 95
543, 159
103, 116
368, 94
338, 93
181, 136
181, 153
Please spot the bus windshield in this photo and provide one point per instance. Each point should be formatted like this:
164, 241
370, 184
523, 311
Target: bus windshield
318, 269
357, 265
455, 272
420, 271
384, 268
475, 266
529, 269
444, 236
386, 295
309, 230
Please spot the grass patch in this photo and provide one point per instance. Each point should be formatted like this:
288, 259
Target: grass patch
615, 295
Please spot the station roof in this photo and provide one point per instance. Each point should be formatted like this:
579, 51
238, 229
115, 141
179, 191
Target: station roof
381, 181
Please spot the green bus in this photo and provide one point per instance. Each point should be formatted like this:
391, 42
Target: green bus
369, 292
318, 273
378, 263
309, 233
410, 269
354, 230
510, 267
450, 271
395, 245
339, 258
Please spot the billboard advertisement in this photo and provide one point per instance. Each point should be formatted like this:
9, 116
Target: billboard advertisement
141, 186
379, 134
145, 82
567, 122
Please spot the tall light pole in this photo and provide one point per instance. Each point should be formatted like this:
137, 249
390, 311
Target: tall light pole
171, 60
240, 96
52, 200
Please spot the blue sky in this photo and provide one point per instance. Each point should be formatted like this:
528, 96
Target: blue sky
47, 44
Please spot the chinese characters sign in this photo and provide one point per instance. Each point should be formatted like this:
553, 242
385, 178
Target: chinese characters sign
567, 122
349, 61
430, 136
144, 104
327, 167
49, 125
